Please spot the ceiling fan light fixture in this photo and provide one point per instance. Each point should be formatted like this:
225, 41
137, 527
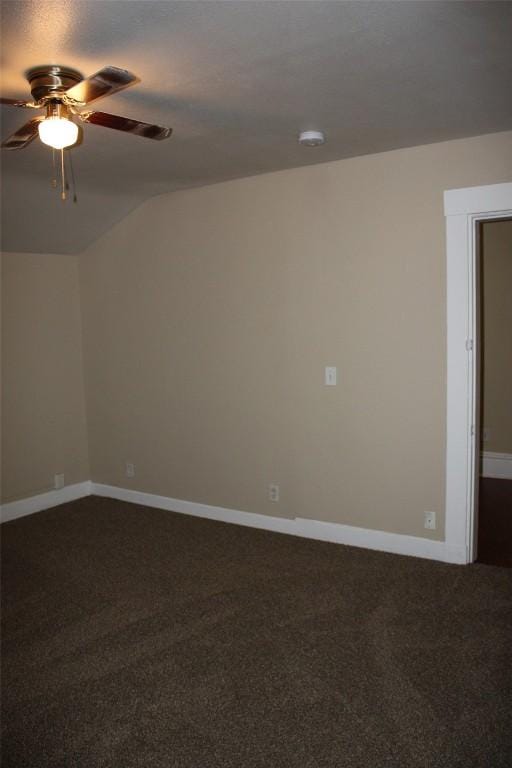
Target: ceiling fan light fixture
58, 132
62, 92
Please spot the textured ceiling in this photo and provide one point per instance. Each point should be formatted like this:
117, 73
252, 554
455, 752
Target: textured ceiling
237, 81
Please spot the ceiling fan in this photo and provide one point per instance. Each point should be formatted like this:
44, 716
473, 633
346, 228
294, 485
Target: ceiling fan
62, 92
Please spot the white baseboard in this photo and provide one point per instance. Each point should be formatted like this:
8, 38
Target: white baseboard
14, 509
498, 465
312, 529
337, 533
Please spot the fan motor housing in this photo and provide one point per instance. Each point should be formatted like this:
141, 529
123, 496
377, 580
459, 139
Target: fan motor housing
50, 80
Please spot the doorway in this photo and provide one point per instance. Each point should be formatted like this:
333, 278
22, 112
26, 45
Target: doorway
465, 209
494, 490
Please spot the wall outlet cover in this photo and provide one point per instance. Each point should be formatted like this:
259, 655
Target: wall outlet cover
273, 492
58, 481
130, 469
430, 521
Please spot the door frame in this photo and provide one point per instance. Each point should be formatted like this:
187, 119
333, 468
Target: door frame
464, 209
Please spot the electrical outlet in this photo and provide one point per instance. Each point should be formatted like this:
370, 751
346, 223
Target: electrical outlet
273, 492
58, 481
430, 521
486, 435
130, 469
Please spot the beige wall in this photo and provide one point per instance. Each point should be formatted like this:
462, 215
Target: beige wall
497, 335
210, 314
43, 405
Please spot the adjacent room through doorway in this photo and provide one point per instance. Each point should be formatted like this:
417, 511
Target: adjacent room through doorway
495, 482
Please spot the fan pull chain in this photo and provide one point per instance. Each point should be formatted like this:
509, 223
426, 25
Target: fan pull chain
63, 174
65, 187
54, 176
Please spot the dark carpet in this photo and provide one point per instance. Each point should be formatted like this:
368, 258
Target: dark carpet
495, 522
137, 637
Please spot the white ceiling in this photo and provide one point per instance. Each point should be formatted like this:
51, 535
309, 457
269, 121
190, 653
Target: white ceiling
237, 81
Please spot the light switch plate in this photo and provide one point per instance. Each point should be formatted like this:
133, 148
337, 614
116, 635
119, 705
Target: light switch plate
331, 376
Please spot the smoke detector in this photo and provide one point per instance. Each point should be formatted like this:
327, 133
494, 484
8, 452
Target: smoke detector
311, 138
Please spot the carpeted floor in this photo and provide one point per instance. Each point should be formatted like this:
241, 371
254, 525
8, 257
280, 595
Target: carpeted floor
134, 637
495, 522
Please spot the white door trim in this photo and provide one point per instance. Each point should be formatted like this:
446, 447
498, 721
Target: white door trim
464, 208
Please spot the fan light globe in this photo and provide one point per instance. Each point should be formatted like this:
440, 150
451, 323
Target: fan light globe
58, 132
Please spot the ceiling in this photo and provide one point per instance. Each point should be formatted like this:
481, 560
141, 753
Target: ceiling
237, 81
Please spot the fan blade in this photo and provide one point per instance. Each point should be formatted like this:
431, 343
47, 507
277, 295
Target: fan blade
23, 135
17, 103
105, 82
157, 132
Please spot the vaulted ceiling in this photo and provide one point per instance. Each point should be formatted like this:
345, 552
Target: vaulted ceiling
237, 81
